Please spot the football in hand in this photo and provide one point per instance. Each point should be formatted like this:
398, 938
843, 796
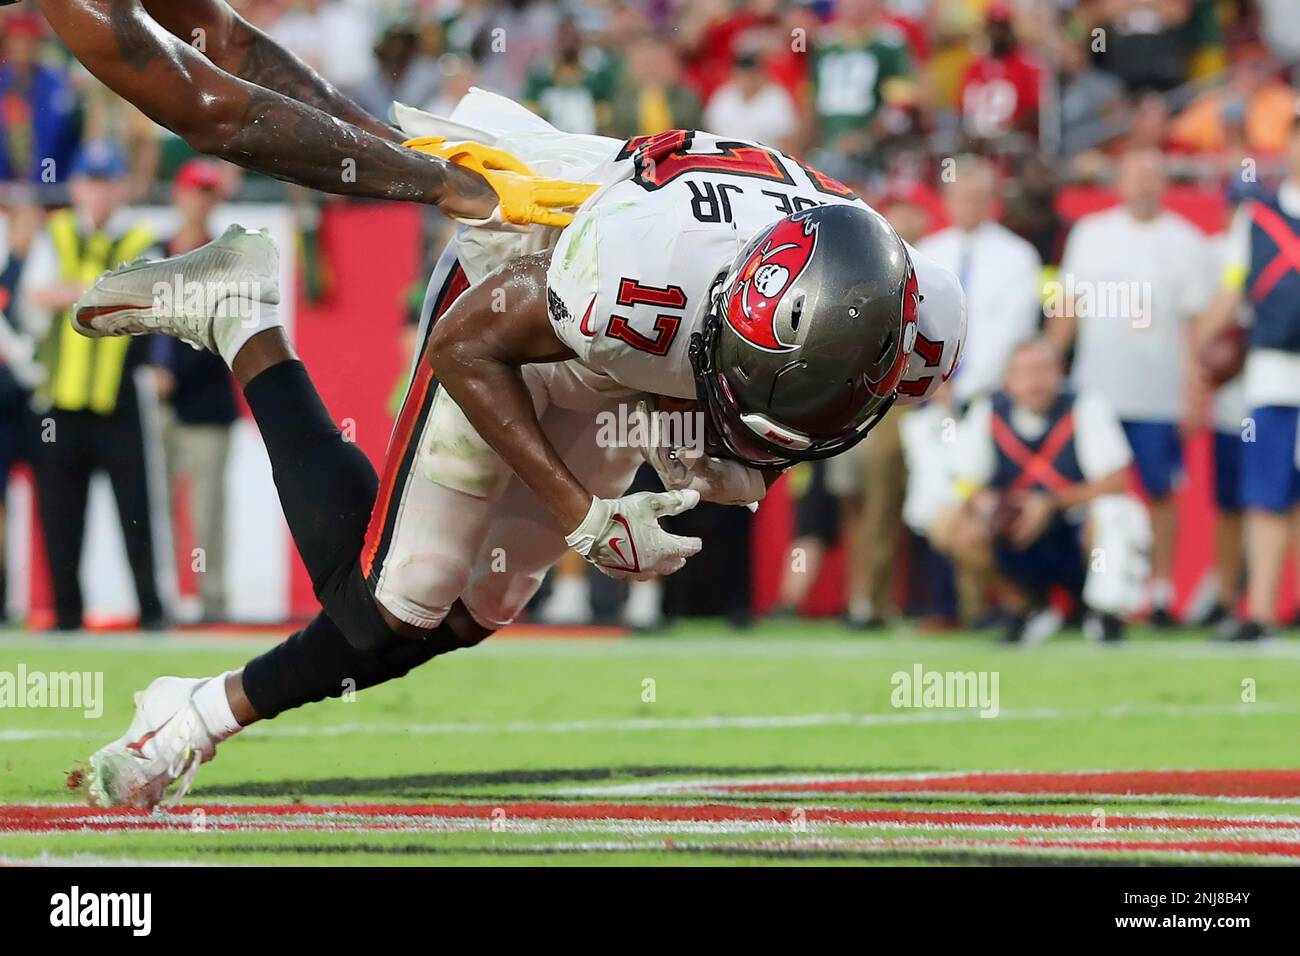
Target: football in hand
1006, 509
1223, 355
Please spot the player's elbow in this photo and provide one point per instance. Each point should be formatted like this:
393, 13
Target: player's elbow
211, 125
451, 357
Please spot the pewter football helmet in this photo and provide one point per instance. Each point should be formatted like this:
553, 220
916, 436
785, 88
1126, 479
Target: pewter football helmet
807, 336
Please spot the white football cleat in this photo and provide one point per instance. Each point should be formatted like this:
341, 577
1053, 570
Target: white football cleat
202, 297
166, 742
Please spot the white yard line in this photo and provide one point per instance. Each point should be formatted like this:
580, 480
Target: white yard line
799, 786
397, 822
697, 799
379, 825
706, 723
87, 860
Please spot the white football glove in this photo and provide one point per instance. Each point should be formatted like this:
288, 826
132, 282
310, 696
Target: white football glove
622, 537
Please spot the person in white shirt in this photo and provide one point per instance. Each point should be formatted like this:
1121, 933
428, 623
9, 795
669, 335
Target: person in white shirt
928, 436
751, 106
1041, 476
1000, 273
1263, 270
1133, 278
929, 439
335, 37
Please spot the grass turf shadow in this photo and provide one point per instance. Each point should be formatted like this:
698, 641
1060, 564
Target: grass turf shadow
449, 784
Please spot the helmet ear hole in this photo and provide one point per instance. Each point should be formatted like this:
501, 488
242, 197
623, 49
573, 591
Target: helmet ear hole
796, 310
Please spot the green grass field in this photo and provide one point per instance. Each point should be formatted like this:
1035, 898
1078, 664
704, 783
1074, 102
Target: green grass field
778, 746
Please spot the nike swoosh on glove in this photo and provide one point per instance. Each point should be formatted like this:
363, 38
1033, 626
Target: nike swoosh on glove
523, 196
622, 537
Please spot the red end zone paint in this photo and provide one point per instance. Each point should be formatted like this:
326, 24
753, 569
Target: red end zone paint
1251, 848
1044, 835
1193, 783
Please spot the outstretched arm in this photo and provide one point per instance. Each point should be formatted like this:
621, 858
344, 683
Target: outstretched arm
218, 113
478, 352
242, 50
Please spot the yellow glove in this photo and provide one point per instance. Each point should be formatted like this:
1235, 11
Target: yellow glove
524, 196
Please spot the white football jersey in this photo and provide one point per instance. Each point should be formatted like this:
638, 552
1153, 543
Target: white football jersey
630, 277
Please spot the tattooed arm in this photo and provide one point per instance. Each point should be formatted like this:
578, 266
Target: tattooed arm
222, 115
240, 48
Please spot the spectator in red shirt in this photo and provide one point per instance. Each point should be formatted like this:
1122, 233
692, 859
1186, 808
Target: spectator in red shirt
781, 33
1001, 89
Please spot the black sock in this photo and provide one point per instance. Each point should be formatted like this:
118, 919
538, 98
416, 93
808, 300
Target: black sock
319, 662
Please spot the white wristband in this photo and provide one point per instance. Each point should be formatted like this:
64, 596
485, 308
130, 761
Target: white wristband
583, 538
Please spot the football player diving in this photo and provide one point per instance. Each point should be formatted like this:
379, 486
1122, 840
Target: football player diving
706, 273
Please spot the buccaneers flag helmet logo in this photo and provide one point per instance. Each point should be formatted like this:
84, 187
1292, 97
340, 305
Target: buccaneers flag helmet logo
764, 279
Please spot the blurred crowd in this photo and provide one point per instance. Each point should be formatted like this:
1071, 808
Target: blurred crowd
864, 88
961, 120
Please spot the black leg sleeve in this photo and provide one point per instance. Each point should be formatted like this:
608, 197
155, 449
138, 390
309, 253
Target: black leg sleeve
327, 486
327, 489
319, 662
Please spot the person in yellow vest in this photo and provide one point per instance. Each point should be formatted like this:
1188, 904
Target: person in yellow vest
87, 412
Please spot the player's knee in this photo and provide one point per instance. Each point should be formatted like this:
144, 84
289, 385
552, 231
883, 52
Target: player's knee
422, 586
